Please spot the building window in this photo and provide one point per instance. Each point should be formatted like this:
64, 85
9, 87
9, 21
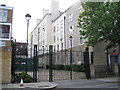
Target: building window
3, 15
39, 30
81, 41
54, 29
61, 35
54, 39
43, 34
57, 27
54, 48
70, 43
62, 24
58, 47
43, 28
43, 42
81, 56
80, 9
70, 17
5, 32
61, 46
58, 37
70, 30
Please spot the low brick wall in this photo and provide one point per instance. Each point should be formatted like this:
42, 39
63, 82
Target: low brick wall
43, 75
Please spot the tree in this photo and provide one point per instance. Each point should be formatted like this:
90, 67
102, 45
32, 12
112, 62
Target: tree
100, 22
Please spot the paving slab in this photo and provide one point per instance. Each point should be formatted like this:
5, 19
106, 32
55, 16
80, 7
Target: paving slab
39, 85
110, 79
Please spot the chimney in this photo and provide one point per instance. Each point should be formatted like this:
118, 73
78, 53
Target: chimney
54, 9
45, 12
38, 21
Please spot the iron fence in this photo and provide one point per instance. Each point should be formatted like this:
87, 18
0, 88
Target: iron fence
60, 66
103, 71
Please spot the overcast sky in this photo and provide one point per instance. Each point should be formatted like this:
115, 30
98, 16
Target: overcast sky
34, 8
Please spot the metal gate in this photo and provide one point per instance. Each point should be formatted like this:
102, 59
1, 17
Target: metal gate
21, 63
57, 65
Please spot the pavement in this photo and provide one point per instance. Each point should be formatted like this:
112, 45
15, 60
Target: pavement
39, 85
110, 79
50, 85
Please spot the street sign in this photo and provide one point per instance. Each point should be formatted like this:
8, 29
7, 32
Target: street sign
79, 63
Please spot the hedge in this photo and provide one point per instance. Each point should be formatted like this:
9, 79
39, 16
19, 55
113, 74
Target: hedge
75, 67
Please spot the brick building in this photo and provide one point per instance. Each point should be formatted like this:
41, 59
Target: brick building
5, 43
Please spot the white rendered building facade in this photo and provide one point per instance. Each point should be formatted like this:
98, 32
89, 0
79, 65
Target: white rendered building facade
57, 30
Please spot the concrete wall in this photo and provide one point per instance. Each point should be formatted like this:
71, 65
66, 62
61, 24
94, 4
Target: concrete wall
100, 57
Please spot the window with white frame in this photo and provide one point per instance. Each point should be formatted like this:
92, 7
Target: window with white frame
54, 29
70, 17
57, 37
62, 34
43, 28
80, 9
54, 39
43, 33
57, 27
70, 43
5, 32
81, 56
61, 23
3, 15
57, 47
70, 30
38, 29
43, 42
61, 46
54, 48
40, 35
38, 32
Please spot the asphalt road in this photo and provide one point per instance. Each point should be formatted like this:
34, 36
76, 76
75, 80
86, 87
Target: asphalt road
83, 83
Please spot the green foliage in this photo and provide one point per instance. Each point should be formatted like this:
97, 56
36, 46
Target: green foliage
76, 68
58, 67
100, 22
66, 67
26, 78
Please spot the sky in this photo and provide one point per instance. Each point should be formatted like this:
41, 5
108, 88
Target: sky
34, 8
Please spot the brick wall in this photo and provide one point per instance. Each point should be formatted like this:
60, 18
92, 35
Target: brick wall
6, 65
5, 53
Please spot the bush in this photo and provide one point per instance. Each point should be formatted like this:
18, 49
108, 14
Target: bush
78, 68
26, 78
66, 67
59, 67
56, 67
75, 67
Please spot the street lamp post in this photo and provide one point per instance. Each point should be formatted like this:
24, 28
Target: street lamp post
27, 17
71, 58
